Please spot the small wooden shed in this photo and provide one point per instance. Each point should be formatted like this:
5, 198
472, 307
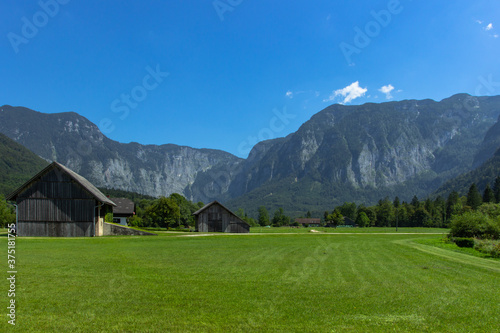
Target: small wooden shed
214, 217
58, 202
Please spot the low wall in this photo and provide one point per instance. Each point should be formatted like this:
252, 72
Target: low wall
118, 230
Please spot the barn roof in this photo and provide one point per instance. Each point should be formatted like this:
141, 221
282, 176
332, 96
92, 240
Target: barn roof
218, 203
73, 175
123, 206
308, 220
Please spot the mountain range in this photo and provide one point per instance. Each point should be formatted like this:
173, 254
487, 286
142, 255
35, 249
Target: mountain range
343, 153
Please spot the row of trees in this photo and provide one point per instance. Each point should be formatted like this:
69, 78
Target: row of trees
165, 212
389, 213
176, 211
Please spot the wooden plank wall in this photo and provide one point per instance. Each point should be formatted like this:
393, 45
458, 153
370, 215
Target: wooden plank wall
55, 229
55, 206
56, 210
208, 220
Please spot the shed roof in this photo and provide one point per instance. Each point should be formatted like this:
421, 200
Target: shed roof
98, 195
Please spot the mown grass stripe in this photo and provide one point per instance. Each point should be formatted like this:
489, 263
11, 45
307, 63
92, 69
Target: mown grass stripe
454, 256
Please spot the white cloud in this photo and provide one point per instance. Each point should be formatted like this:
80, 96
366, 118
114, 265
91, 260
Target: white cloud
289, 94
387, 91
349, 93
479, 21
489, 27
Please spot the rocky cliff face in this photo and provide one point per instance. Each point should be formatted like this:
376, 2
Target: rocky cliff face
342, 153
375, 147
77, 143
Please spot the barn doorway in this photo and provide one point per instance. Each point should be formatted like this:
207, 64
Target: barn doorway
215, 222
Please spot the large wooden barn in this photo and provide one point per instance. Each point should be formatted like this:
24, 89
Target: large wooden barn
214, 217
58, 202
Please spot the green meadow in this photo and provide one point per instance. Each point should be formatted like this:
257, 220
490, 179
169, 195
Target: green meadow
251, 283
349, 230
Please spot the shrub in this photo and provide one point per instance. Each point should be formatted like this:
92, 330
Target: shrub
492, 229
490, 209
464, 242
475, 225
135, 221
108, 217
488, 246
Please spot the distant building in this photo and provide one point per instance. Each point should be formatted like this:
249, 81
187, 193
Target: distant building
349, 222
214, 217
125, 208
58, 202
311, 222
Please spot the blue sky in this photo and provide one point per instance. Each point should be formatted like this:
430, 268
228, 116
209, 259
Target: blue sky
225, 74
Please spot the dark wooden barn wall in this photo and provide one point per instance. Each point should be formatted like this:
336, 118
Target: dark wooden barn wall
56, 210
55, 229
55, 206
217, 219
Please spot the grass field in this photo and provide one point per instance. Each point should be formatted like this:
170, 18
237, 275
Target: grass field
278, 283
348, 230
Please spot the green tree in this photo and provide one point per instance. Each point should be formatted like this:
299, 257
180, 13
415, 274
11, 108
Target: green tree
244, 216
325, 216
385, 214
403, 219
164, 212
440, 212
186, 209
453, 205
263, 216
420, 218
488, 194
474, 199
496, 189
415, 202
348, 209
7, 213
396, 204
240, 213
135, 221
336, 218
371, 212
280, 219
362, 220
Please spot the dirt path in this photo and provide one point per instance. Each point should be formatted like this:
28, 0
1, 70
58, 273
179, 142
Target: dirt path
297, 233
